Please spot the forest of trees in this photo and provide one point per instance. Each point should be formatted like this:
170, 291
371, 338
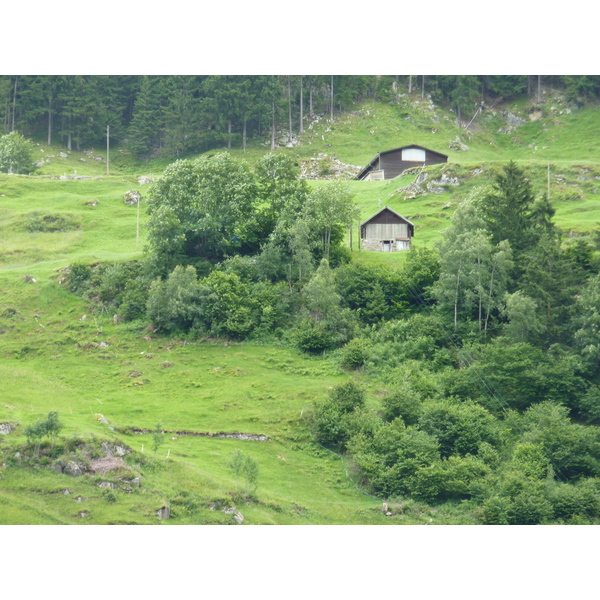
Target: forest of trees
175, 115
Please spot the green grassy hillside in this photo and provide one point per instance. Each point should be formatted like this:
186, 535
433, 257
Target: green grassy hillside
108, 379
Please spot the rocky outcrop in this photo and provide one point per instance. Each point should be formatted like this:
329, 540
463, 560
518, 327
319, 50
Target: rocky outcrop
132, 197
6, 428
324, 166
73, 469
456, 144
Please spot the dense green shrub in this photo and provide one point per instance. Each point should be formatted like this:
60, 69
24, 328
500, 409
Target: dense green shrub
459, 427
348, 396
177, 302
405, 403
79, 277
355, 353
311, 336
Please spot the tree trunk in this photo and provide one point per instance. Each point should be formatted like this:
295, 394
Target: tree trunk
69, 142
229, 135
410, 84
244, 134
423, 86
290, 108
301, 130
456, 300
14, 104
273, 128
310, 101
49, 120
331, 98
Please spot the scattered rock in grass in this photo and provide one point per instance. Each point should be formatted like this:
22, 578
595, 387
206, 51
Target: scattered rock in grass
164, 512
144, 179
78, 499
73, 469
111, 449
101, 418
106, 485
238, 517
166, 364
6, 428
82, 514
149, 355
456, 144
66, 492
446, 206
58, 466
91, 203
384, 508
132, 197
134, 373
29, 279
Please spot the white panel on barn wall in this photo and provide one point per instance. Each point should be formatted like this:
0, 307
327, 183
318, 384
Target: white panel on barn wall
413, 154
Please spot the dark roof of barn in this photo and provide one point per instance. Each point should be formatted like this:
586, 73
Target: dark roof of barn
363, 171
391, 210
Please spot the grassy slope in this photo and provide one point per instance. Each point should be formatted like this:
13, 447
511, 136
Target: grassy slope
49, 361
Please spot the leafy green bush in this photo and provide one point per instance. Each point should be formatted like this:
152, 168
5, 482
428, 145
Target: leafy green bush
582, 499
79, 277
311, 336
51, 427
16, 154
405, 403
348, 396
355, 353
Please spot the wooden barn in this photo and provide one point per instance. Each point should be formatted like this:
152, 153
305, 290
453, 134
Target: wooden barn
386, 231
389, 164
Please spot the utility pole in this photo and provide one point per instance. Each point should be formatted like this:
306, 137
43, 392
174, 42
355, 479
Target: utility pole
107, 147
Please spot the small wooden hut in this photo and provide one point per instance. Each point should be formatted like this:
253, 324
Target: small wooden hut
389, 164
386, 231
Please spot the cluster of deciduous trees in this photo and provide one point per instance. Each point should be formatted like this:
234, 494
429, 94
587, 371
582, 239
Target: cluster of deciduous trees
174, 115
486, 348
491, 374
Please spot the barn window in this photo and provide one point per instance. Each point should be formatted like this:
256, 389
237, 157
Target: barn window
413, 154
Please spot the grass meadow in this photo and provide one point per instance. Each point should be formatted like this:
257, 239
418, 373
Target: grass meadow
109, 379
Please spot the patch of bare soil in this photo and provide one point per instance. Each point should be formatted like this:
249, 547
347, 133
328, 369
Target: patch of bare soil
106, 463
